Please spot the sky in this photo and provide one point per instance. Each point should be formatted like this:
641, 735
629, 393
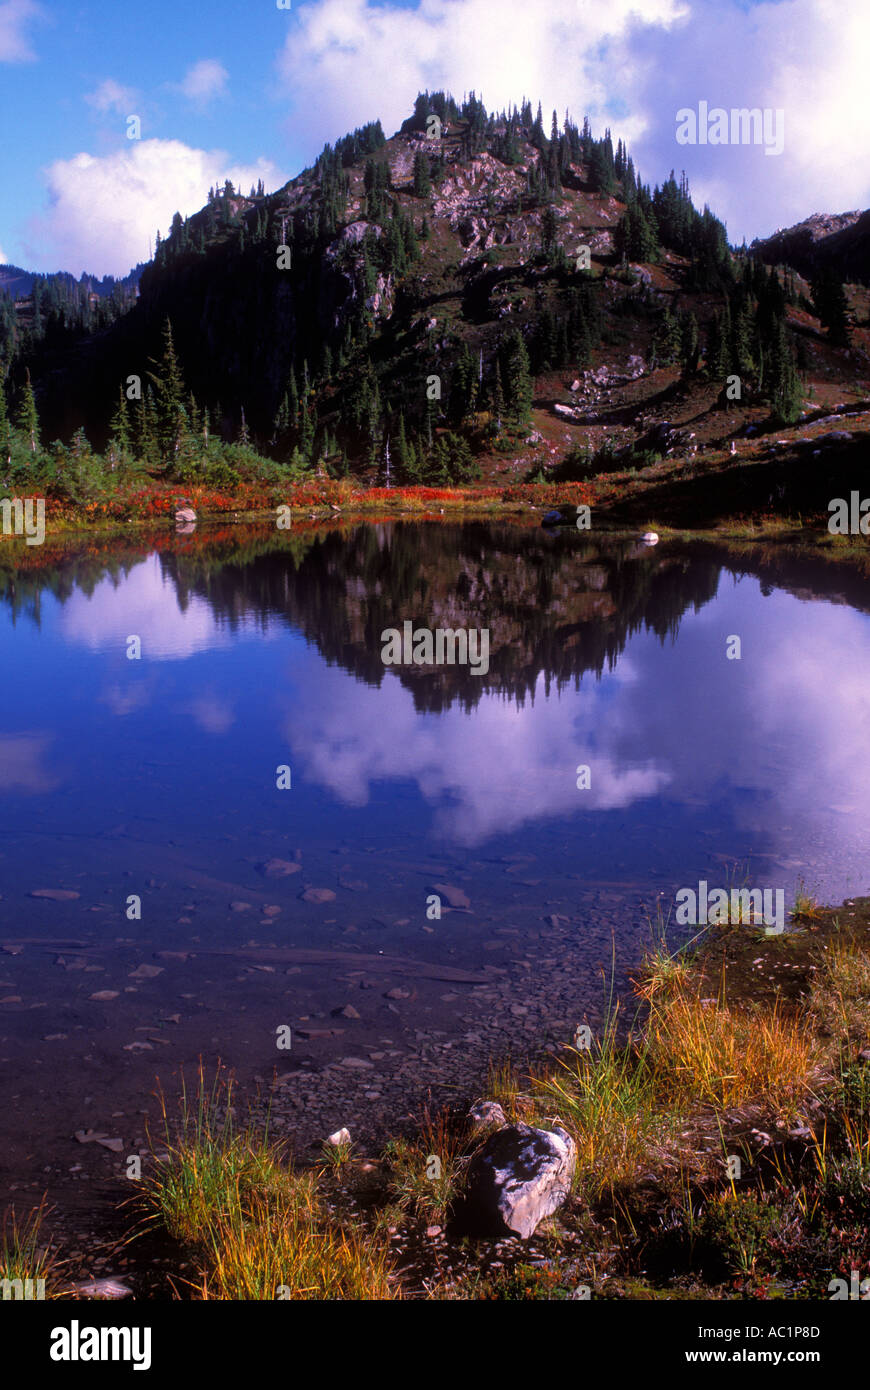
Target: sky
248, 89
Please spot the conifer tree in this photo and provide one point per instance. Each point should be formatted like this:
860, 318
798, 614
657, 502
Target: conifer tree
120, 425
169, 392
28, 419
517, 376
784, 387
146, 438
422, 177
829, 301
667, 338
497, 400
402, 448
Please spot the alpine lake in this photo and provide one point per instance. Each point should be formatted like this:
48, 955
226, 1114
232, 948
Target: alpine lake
233, 833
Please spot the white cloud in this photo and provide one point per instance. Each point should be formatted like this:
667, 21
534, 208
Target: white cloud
631, 64
203, 82
111, 96
145, 605
805, 57
348, 737
15, 16
104, 209
346, 61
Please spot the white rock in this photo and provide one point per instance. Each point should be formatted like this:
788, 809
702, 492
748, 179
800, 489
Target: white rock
519, 1177
340, 1137
102, 1288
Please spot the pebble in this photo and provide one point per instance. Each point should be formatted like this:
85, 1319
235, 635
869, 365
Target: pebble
317, 895
456, 897
279, 868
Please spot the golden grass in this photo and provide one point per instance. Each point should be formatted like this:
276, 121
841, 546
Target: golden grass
708, 1053
805, 907
606, 1098
662, 973
255, 1229
280, 1243
624, 1102
839, 1000
24, 1258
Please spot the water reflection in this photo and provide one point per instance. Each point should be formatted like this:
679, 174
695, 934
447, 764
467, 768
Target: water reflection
267, 649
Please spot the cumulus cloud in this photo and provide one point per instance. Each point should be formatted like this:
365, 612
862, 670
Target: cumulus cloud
346, 61
470, 767
146, 605
631, 64
111, 96
804, 57
105, 209
15, 18
204, 81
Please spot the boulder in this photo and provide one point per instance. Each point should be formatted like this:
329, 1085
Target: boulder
564, 515
834, 437
519, 1177
185, 515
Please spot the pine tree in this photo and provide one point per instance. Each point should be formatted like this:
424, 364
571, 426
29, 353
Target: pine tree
829, 301
28, 419
497, 399
549, 228
169, 395
667, 338
422, 176
784, 386
402, 448
146, 438
637, 233
742, 356
517, 377
120, 425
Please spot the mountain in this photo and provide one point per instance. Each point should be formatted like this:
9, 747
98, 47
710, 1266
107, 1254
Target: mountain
18, 283
837, 242
470, 294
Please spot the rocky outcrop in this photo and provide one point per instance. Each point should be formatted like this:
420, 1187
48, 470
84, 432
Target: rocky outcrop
840, 241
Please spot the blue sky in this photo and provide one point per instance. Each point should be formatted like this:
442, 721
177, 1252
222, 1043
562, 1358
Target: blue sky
241, 88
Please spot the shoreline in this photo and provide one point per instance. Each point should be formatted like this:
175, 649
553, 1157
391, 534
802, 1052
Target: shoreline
793, 1010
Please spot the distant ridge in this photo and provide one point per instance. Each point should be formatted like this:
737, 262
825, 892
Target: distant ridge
824, 241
